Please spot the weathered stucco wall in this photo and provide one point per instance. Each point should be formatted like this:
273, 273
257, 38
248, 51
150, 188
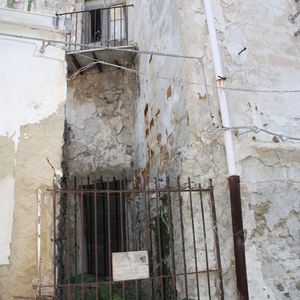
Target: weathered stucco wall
172, 115
99, 123
160, 108
269, 170
33, 92
269, 167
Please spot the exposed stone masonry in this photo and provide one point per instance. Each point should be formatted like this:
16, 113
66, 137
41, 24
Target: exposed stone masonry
99, 123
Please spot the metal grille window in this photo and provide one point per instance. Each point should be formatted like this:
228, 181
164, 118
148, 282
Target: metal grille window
118, 22
95, 30
95, 218
169, 231
107, 26
98, 26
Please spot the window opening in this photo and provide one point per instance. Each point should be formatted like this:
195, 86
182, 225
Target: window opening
107, 26
95, 219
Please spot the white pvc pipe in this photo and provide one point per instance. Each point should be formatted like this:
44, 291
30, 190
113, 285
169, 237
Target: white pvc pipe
221, 92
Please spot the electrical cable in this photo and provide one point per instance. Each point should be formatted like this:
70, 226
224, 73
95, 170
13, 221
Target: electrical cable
188, 82
251, 128
53, 42
256, 129
96, 47
212, 117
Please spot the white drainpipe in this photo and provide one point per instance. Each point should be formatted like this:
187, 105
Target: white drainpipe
232, 170
233, 178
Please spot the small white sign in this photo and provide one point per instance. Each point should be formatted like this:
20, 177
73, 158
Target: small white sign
130, 265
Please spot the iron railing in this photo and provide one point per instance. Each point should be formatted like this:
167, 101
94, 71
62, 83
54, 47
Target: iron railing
175, 224
103, 27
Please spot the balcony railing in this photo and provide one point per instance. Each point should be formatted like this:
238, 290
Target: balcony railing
103, 27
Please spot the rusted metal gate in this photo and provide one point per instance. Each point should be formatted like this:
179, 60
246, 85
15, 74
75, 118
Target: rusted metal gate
174, 224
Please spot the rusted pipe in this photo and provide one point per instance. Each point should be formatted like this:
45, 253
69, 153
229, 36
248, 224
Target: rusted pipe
238, 237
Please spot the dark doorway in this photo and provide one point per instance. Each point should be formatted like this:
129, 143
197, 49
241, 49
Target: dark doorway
98, 25
103, 226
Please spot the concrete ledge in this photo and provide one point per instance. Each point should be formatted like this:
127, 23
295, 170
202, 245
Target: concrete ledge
19, 17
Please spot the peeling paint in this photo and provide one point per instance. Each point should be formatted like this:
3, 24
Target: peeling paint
171, 139
164, 157
169, 92
158, 137
151, 124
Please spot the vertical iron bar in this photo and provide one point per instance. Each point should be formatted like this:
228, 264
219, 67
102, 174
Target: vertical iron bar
96, 233
109, 241
182, 239
121, 215
216, 235
89, 212
100, 27
116, 203
82, 29
66, 36
95, 28
134, 232
136, 290
148, 236
76, 24
133, 221
194, 237
54, 238
171, 239
108, 27
68, 245
205, 242
121, 26
75, 225
126, 26
151, 259
91, 38
127, 227
157, 194
122, 234
82, 238
104, 224
114, 26
71, 32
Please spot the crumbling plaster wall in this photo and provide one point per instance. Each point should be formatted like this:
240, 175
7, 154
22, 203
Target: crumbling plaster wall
172, 115
99, 123
33, 92
269, 167
172, 118
99, 111
161, 108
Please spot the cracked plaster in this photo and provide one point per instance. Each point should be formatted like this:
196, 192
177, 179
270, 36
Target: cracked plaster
99, 123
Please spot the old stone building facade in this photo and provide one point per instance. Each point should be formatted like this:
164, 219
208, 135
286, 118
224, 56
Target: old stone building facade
153, 111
